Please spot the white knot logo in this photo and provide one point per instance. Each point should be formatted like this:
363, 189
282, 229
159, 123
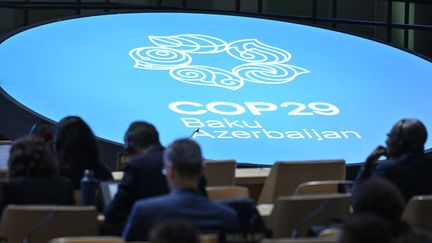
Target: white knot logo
263, 64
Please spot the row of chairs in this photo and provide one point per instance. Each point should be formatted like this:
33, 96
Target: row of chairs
290, 216
301, 208
318, 202
283, 179
203, 238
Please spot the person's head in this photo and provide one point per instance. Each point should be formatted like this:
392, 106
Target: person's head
380, 197
174, 231
75, 143
30, 157
43, 130
365, 228
139, 136
183, 162
407, 135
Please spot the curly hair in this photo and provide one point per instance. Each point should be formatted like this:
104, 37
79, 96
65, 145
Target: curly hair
29, 156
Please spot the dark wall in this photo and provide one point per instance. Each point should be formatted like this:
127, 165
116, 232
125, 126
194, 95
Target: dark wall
3, 137
17, 120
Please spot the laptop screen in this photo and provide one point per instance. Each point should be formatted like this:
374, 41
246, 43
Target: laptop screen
108, 190
4, 154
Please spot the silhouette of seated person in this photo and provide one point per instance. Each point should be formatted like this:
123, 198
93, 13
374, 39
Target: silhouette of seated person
44, 131
174, 231
142, 174
406, 166
77, 151
381, 198
183, 165
365, 228
34, 177
249, 218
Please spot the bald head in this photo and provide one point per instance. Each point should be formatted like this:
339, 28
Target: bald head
407, 135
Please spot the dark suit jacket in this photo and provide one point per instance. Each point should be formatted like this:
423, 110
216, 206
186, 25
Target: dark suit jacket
206, 215
37, 190
142, 178
411, 173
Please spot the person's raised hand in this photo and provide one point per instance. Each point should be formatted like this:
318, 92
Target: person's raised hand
375, 155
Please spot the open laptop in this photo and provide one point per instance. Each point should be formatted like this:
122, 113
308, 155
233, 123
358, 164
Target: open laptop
4, 154
108, 190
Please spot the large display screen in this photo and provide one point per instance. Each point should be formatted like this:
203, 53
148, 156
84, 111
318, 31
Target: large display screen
254, 90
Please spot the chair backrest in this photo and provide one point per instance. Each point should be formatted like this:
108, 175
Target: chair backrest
321, 187
286, 176
418, 212
225, 192
330, 233
117, 175
209, 238
298, 240
44, 222
88, 239
219, 172
294, 215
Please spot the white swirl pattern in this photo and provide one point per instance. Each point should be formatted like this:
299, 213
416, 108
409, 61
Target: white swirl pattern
252, 50
158, 58
209, 76
264, 64
264, 73
191, 43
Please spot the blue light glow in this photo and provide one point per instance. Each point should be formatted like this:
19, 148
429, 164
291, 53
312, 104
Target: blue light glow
269, 90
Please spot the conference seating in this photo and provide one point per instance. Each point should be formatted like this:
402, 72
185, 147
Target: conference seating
286, 176
298, 240
225, 192
204, 238
418, 212
41, 223
322, 187
117, 175
209, 238
330, 233
294, 215
88, 239
219, 172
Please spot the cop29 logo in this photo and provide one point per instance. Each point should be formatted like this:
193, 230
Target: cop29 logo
262, 64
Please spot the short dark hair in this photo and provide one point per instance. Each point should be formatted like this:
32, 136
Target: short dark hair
365, 228
29, 156
381, 197
185, 155
141, 134
174, 231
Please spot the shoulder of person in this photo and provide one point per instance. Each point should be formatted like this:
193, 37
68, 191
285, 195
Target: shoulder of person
153, 202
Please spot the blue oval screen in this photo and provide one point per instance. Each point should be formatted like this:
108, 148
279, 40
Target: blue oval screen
250, 89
